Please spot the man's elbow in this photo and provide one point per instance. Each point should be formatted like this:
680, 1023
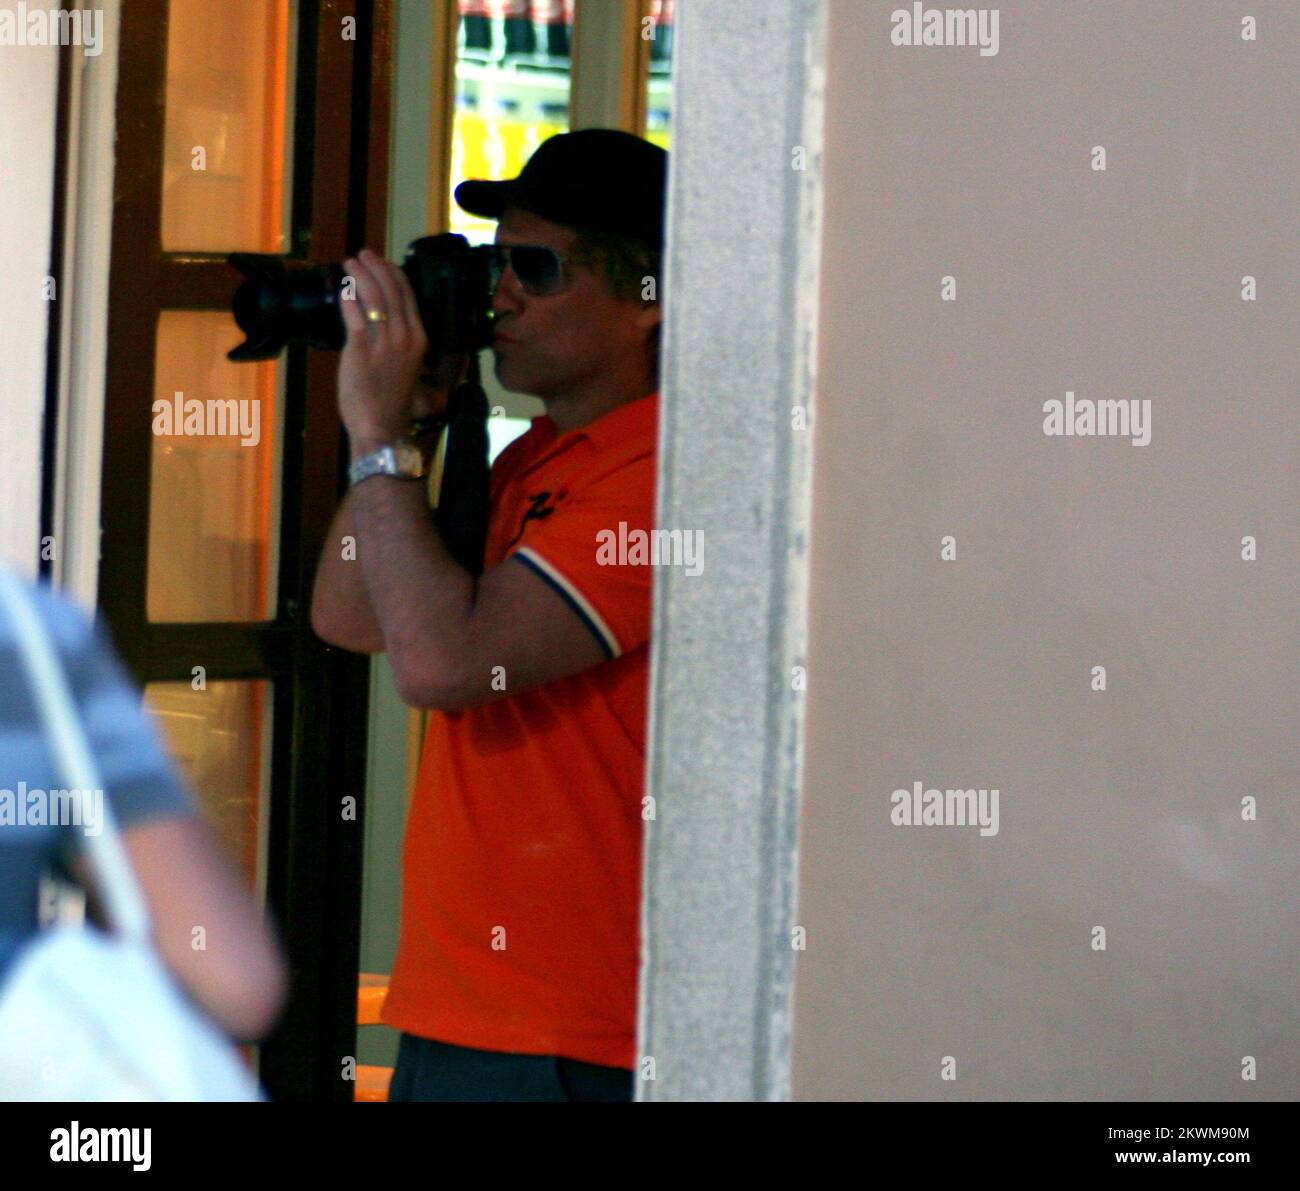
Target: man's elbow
422, 687
320, 625
334, 634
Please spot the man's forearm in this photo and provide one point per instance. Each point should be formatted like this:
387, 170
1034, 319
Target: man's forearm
340, 604
421, 597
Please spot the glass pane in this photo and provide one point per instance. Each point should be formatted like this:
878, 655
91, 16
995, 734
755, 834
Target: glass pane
213, 503
659, 97
220, 738
224, 181
512, 92
502, 431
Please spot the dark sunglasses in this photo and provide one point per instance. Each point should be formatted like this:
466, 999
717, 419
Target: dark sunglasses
540, 270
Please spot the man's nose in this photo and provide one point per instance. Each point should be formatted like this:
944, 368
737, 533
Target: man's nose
508, 295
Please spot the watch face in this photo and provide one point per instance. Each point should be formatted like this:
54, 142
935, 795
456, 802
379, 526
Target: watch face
409, 460
397, 459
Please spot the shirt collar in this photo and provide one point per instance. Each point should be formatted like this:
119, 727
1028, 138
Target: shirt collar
631, 420
634, 419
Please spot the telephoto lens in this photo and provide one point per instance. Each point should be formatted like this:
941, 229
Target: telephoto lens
279, 304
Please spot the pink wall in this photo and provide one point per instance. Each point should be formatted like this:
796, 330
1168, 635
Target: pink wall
1120, 808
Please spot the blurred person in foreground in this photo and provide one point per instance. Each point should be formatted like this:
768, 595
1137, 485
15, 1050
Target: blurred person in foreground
516, 968
239, 980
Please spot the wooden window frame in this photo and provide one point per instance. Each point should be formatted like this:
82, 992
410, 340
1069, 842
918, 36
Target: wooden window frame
320, 694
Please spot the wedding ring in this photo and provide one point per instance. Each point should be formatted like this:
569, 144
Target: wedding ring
376, 316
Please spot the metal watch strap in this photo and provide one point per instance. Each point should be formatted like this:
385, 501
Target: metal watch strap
402, 460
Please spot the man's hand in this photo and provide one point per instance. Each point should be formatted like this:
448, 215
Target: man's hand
383, 357
437, 384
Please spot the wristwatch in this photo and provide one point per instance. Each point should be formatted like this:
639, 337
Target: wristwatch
401, 459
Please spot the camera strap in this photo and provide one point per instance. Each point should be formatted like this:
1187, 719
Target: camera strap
462, 512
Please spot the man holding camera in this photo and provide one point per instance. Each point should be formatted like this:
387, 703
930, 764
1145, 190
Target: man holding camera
515, 976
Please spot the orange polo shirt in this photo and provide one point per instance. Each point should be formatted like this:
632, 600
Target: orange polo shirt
521, 872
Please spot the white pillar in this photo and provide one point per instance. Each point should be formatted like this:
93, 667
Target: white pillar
740, 290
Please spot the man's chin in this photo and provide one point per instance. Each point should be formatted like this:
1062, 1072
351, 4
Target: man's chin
506, 376
513, 379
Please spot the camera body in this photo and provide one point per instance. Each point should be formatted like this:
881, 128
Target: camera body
276, 305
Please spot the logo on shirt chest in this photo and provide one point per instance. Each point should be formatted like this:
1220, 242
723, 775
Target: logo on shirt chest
540, 506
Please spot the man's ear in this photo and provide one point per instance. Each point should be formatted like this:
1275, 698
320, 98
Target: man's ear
650, 315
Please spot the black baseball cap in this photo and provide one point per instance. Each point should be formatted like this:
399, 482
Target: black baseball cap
596, 179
